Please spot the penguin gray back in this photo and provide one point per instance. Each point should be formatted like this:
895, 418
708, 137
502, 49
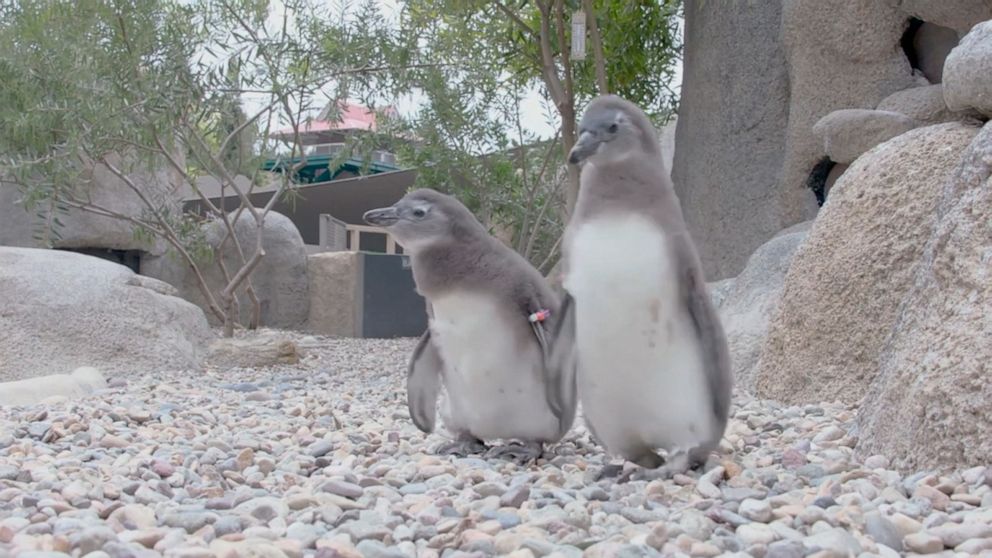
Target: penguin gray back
462, 270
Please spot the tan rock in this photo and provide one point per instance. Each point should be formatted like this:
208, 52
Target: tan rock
848, 133
925, 104
255, 350
843, 289
931, 406
959, 15
842, 54
968, 72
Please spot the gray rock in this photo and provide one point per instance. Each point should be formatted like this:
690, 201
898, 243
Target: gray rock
263, 509
968, 72
306, 534
848, 133
750, 303
375, 549
786, 549
836, 540
64, 310
92, 539
733, 203
343, 489
756, 510
280, 280
362, 530
85, 230
190, 521
226, 525
514, 497
414, 488
320, 448
883, 531
954, 534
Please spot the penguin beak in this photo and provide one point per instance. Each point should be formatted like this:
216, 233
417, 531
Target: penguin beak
382, 217
587, 145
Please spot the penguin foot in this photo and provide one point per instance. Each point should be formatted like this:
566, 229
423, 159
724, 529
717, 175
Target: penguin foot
525, 452
462, 447
610, 470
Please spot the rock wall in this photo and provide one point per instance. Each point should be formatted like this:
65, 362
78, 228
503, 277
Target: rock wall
842, 54
930, 406
19, 227
730, 136
843, 289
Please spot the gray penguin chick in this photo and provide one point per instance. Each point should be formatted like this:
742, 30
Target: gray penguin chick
486, 341
637, 331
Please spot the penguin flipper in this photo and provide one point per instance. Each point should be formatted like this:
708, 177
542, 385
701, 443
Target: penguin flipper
709, 331
423, 383
560, 389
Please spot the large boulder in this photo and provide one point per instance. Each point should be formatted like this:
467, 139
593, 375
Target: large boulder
848, 133
968, 72
60, 311
730, 135
842, 54
749, 304
931, 405
843, 289
280, 280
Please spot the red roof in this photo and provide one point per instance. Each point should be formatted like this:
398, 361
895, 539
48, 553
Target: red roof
352, 117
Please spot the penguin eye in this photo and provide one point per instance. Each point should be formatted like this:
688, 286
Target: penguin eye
418, 213
613, 128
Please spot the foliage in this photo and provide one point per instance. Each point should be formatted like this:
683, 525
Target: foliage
474, 60
191, 88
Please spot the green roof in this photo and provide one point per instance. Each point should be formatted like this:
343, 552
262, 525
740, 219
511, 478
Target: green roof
318, 169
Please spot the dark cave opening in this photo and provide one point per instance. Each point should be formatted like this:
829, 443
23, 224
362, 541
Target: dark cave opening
128, 258
926, 46
817, 180
906, 42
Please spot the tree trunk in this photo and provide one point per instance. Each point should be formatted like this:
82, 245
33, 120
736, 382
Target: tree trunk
567, 142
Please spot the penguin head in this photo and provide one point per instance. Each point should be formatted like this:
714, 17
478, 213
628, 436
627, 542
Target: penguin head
611, 128
423, 217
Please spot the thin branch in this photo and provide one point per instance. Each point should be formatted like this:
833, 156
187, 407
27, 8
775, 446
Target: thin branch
527, 29
597, 47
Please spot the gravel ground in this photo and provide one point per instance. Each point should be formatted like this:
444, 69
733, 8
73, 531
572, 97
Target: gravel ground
321, 459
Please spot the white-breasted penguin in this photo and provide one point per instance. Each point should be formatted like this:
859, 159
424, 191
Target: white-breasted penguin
637, 331
486, 343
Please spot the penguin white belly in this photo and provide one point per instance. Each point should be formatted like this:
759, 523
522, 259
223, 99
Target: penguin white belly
641, 379
493, 370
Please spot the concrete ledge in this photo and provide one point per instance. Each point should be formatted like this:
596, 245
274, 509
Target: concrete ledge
335, 293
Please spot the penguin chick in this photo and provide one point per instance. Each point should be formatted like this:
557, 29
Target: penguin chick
638, 333
486, 342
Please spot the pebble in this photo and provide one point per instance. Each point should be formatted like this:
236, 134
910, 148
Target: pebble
321, 460
923, 543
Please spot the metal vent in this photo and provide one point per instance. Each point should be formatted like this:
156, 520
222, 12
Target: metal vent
333, 233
